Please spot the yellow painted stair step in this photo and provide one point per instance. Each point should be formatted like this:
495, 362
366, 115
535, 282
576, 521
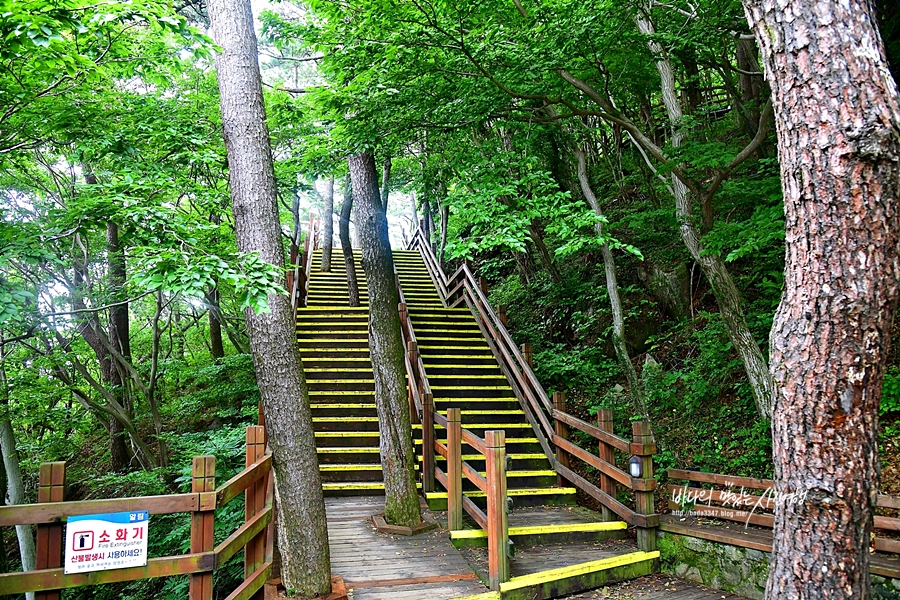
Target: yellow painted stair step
337, 487
353, 467
534, 579
349, 450
464, 534
341, 406
567, 491
528, 440
532, 456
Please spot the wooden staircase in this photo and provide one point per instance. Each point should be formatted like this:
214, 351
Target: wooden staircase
334, 346
463, 373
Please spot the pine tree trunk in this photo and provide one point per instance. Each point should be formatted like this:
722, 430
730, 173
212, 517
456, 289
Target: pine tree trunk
401, 504
346, 247
328, 234
636, 388
302, 532
838, 119
724, 289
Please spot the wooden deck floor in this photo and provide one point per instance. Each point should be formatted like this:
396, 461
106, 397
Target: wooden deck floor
376, 566
655, 587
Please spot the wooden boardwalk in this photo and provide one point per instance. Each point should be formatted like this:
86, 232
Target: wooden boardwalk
376, 566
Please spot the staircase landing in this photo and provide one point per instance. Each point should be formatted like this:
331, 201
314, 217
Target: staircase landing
377, 566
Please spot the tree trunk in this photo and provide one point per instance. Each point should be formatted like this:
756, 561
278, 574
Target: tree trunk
636, 388
415, 215
386, 182
120, 339
747, 56
838, 119
445, 224
302, 531
724, 289
401, 503
344, 231
328, 234
216, 345
15, 486
544, 253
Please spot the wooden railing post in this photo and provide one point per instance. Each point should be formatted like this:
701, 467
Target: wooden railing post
562, 430
51, 488
255, 502
497, 518
427, 442
454, 470
527, 354
203, 479
483, 284
644, 500
501, 314
607, 454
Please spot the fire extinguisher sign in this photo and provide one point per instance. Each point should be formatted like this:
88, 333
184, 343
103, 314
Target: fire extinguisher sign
108, 541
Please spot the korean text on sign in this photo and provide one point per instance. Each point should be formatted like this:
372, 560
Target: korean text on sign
108, 541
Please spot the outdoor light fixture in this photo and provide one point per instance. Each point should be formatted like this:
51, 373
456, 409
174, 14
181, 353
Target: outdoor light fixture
636, 466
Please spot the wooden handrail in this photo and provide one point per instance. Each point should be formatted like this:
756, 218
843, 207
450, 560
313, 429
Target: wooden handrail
463, 288
256, 531
228, 491
593, 431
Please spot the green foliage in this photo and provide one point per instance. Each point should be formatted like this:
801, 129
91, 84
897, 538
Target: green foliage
890, 393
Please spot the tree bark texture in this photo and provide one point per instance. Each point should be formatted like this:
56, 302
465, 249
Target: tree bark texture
328, 222
346, 247
216, 344
386, 182
724, 289
838, 119
302, 532
120, 338
15, 486
401, 505
636, 388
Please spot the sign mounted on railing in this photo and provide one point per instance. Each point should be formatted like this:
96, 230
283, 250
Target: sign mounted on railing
107, 541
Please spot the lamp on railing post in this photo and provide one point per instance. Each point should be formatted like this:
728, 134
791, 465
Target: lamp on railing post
640, 467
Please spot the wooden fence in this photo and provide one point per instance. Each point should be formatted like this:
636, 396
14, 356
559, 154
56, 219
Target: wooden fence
752, 501
255, 536
301, 264
549, 419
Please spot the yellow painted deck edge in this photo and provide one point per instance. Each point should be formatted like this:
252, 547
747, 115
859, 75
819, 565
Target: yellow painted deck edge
573, 571
541, 529
484, 596
522, 492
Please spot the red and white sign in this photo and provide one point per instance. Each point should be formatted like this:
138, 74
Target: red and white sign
109, 541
